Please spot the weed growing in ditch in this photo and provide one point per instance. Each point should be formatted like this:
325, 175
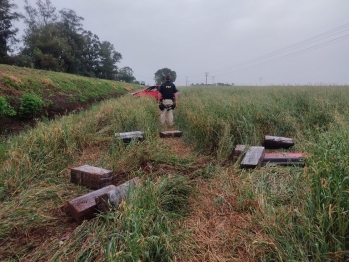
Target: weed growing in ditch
5, 108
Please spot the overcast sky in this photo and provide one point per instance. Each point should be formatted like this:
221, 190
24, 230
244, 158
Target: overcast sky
246, 42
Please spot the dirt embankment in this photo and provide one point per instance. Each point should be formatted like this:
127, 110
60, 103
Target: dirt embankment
61, 93
60, 105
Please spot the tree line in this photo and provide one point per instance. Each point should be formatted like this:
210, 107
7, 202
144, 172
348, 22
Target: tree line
55, 40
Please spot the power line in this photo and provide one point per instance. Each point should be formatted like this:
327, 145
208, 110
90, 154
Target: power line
308, 41
292, 54
272, 56
313, 39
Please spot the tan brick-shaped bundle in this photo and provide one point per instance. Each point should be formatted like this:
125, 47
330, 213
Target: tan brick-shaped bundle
238, 151
253, 157
127, 137
88, 205
173, 133
91, 177
84, 207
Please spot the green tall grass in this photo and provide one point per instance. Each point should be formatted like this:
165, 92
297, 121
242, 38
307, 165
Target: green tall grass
218, 118
328, 204
35, 180
142, 228
302, 213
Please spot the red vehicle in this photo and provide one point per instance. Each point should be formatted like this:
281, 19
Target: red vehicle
150, 91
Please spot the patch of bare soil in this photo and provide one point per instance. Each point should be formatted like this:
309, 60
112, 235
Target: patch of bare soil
14, 125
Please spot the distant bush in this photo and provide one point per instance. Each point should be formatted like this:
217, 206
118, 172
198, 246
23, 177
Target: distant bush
30, 106
5, 108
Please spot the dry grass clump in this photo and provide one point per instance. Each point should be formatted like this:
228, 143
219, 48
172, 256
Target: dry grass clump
11, 80
48, 83
219, 230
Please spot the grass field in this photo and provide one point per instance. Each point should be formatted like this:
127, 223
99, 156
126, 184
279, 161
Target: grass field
18, 80
302, 213
194, 204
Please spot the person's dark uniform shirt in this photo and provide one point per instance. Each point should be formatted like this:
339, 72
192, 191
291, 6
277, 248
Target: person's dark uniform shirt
167, 90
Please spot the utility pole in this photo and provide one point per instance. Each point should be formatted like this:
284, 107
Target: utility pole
206, 73
260, 81
186, 81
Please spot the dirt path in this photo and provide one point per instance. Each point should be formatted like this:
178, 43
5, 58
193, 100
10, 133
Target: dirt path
219, 230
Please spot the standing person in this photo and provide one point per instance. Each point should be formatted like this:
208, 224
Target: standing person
167, 100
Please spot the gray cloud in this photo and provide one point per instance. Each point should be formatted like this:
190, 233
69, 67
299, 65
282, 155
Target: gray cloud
192, 37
